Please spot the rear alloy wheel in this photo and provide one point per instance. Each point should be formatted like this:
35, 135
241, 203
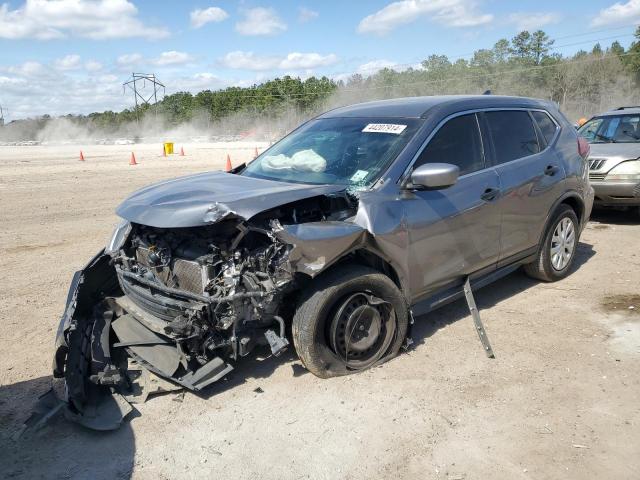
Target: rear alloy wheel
558, 250
563, 244
350, 319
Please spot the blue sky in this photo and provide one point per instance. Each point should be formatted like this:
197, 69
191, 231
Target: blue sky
71, 56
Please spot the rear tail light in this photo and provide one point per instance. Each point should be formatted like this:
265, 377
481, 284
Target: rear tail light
583, 147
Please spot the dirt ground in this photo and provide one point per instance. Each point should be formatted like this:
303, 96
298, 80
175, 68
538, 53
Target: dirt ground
559, 401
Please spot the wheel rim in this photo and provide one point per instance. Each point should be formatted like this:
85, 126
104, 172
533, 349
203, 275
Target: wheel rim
563, 244
361, 330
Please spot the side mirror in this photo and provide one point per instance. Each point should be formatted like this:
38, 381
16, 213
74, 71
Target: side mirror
433, 176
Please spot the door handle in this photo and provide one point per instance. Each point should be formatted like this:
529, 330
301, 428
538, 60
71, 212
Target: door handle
551, 170
490, 194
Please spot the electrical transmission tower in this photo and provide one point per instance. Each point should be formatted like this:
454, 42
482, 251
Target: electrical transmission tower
1, 116
138, 83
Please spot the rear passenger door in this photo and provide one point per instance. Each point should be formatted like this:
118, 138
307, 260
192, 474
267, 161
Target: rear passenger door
531, 175
454, 231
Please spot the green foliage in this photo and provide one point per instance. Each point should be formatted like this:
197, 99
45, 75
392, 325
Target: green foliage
632, 61
269, 99
583, 84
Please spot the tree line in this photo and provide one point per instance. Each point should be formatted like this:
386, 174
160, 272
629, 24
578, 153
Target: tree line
581, 84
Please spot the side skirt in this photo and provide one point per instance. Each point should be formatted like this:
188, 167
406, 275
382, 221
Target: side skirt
456, 292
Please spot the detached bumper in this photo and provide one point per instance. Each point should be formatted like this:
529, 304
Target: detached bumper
110, 357
618, 193
80, 298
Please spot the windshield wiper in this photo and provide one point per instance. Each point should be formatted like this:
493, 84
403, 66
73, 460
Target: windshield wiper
606, 139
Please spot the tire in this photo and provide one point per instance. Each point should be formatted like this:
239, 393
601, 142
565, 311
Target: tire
346, 299
547, 266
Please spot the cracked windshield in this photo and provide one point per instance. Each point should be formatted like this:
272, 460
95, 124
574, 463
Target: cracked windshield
346, 151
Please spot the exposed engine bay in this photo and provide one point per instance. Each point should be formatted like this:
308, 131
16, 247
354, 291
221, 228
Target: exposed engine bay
166, 308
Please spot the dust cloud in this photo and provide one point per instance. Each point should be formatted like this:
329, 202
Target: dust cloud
580, 89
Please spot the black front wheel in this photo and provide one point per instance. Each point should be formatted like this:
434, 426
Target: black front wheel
349, 319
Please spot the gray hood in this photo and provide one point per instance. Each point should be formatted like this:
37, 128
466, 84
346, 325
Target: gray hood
207, 198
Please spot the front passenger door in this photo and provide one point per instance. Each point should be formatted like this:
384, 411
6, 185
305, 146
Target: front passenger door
454, 231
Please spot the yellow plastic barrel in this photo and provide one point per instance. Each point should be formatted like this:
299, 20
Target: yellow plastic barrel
168, 148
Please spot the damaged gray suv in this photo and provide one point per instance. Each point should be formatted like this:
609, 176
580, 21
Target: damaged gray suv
333, 238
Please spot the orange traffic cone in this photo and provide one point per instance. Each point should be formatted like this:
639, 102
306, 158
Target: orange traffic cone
81, 156
228, 168
255, 153
133, 159
182, 151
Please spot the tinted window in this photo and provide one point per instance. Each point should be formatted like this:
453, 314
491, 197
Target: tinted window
546, 125
513, 135
457, 142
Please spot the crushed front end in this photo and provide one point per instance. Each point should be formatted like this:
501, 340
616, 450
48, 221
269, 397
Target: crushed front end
168, 308
170, 304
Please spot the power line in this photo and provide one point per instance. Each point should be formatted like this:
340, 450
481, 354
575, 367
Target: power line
582, 34
468, 54
134, 85
448, 79
594, 40
484, 75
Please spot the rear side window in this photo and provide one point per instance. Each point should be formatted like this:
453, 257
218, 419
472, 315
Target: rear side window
457, 142
546, 125
513, 135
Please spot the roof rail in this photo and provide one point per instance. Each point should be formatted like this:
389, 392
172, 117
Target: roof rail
630, 106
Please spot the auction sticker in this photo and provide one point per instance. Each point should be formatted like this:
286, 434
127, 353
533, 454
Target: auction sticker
384, 128
359, 175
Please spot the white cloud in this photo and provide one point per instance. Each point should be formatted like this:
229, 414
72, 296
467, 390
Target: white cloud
28, 69
249, 61
197, 82
69, 62
32, 89
296, 61
109, 78
93, 66
200, 17
451, 13
618, 13
292, 61
172, 58
61, 94
129, 59
94, 19
533, 20
306, 14
374, 66
260, 21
